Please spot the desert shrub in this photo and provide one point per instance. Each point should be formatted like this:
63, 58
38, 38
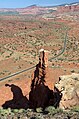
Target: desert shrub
52, 110
2, 73
29, 110
36, 116
72, 71
9, 80
75, 109
5, 111
21, 111
39, 110
15, 110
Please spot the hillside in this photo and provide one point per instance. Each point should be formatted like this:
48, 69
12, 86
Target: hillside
37, 10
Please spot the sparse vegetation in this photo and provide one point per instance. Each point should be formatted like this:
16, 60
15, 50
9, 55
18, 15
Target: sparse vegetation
21, 37
48, 113
75, 109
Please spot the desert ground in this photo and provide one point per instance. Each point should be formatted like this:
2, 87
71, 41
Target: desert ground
21, 38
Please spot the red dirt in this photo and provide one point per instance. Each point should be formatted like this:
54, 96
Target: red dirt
14, 63
25, 83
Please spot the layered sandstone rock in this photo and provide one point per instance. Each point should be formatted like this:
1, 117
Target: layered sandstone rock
42, 87
68, 8
69, 87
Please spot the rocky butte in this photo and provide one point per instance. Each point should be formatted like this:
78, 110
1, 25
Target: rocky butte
43, 92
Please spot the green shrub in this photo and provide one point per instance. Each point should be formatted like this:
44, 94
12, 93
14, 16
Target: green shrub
39, 110
4, 111
75, 109
52, 110
15, 110
21, 110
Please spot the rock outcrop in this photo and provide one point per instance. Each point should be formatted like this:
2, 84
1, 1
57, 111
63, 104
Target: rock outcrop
42, 91
69, 87
68, 8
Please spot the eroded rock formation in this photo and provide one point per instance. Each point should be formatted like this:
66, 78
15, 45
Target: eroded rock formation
42, 91
69, 87
68, 8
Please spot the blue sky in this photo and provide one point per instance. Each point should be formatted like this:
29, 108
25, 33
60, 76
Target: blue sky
25, 3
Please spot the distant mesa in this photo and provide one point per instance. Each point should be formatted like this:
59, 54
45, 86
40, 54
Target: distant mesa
37, 10
32, 6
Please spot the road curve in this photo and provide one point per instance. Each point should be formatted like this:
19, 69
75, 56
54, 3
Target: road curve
30, 68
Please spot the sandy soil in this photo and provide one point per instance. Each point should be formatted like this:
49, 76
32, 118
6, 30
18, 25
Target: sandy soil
20, 42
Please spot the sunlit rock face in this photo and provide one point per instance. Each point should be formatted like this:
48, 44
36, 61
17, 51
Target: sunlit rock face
68, 8
69, 87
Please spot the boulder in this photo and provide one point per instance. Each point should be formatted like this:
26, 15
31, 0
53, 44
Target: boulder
69, 87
